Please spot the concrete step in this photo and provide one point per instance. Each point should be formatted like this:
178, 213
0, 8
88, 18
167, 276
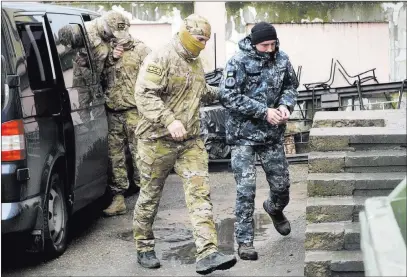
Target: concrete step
332, 236
334, 209
366, 118
359, 161
353, 184
347, 119
357, 138
333, 263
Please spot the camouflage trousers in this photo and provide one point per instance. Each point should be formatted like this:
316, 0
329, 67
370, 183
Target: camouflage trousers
121, 135
275, 166
155, 160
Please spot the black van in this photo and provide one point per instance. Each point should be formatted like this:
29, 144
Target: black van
54, 146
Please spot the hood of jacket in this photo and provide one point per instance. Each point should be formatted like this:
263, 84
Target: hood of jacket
246, 46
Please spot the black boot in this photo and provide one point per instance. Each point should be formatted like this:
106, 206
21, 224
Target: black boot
215, 261
246, 251
148, 259
280, 222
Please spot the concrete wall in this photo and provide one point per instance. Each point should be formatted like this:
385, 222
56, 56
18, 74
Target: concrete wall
391, 14
215, 12
355, 45
147, 33
230, 22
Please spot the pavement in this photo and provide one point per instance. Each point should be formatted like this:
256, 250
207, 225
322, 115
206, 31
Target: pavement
104, 246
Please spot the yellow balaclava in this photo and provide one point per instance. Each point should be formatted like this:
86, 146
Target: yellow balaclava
194, 25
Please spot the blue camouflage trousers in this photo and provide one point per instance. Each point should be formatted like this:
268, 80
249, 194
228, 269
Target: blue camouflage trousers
275, 166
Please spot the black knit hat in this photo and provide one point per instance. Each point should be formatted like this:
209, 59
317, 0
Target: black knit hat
263, 31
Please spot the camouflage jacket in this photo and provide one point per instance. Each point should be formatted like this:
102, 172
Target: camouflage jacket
99, 47
170, 86
121, 75
251, 83
81, 68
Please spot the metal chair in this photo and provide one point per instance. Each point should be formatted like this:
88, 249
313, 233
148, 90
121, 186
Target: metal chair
327, 84
359, 77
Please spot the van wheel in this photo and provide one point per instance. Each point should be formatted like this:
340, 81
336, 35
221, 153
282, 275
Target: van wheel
55, 219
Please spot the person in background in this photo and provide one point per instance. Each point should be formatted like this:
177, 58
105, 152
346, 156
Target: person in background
101, 31
121, 70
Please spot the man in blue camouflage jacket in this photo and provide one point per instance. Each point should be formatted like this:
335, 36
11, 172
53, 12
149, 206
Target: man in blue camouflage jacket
259, 90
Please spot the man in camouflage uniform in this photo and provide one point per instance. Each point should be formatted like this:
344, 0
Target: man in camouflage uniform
100, 32
121, 74
258, 90
169, 90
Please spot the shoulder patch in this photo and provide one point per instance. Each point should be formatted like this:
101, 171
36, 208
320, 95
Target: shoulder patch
230, 74
151, 68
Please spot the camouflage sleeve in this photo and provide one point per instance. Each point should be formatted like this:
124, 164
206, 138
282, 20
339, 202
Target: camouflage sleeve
210, 95
110, 60
289, 90
128, 95
99, 55
143, 51
104, 72
108, 71
231, 95
151, 83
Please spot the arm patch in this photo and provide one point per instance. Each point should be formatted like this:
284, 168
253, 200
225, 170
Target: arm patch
154, 70
230, 80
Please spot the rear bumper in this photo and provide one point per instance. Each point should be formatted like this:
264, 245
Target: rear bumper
20, 216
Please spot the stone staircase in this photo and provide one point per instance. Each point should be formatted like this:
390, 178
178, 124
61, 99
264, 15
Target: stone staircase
356, 155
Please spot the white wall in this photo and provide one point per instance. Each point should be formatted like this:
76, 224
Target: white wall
153, 34
356, 45
215, 13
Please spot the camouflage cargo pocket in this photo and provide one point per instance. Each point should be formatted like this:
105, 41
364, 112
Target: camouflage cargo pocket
146, 157
203, 154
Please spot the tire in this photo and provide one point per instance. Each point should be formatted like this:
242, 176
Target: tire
55, 219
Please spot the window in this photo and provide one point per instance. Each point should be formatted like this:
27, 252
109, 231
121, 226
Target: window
35, 45
86, 17
69, 37
94, 16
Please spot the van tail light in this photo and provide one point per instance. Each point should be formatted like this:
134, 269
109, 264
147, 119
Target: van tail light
12, 141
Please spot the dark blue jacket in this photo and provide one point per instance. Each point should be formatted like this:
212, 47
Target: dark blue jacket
251, 83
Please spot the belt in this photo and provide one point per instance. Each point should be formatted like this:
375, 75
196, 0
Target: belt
169, 138
119, 111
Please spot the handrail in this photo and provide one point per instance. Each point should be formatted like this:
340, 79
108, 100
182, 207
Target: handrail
401, 93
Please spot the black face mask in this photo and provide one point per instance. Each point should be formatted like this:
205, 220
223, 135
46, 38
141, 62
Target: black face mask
271, 56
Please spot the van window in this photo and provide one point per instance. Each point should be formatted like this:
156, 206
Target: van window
92, 16
39, 67
86, 17
69, 36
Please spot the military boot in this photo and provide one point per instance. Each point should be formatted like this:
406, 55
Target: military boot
215, 261
117, 207
280, 222
246, 251
148, 259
